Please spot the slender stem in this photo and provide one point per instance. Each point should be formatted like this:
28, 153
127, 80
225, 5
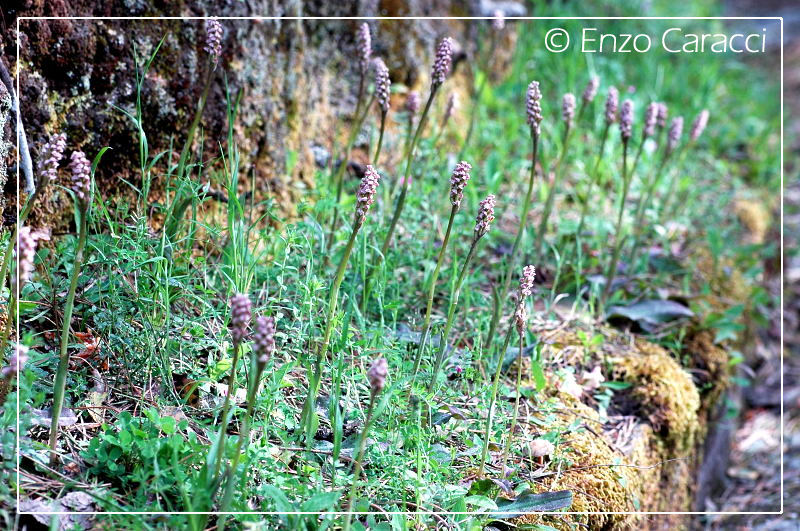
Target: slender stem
244, 436
641, 207
431, 290
612, 267
333, 300
476, 93
380, 140
592, 181
175, 216
512, 260
451, 314
359, 456
400, 200
551, 194
226, 409
495, 384
516, 402
63, 359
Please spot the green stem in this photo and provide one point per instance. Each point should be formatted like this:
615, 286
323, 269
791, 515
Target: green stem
641, 207
451, 315
431, 290
243, 437
359, 456
512, 260
592, 181
308, 407
176, 215
495, 384
63, 359
612, 267
400, 200
516, 403
380, 141
226, 409
551, 194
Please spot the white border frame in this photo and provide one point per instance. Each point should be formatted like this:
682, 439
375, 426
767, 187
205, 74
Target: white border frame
436, 513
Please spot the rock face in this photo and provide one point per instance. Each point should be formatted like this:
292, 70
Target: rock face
296, 79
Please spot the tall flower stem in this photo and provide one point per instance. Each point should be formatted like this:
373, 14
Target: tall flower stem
401, 200
333, 300
512, 260
490, 414
226, 405
338, 177
612, 266
592, 181
180, 203
63, 359
510, 436
451, 316
357, 468
476, 90
431, 290
551, 194
652, 185
377, 156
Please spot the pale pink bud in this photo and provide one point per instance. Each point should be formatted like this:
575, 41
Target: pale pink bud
533, 106
458, 181
626, 120
568, 108
264, 338
364, 46
591, 89
485, 217
376, 375
18, 358
699, 125
612, 102
650, 119
213, 39
382, 84
675, 132
81, 179
441, 65
50, 156
240, 317
413, 102
499, 20
366, 193
661, 117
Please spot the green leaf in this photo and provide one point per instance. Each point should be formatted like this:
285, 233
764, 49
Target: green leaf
482, 502
321, 502
538, 375
282, 503
530, 502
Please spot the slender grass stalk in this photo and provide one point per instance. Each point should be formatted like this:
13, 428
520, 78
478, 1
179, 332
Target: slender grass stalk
592, 181
365, 198
377, 379
495, 384
652, 185
482, 224
376, 158
81, 181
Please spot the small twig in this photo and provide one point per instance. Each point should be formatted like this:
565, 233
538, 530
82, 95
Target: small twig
638, 467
